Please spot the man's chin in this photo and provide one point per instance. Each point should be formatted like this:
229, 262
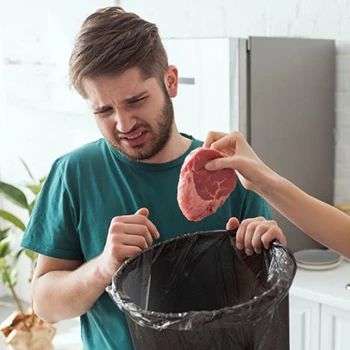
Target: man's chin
136, 154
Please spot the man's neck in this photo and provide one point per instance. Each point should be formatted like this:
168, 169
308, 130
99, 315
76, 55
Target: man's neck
176, 147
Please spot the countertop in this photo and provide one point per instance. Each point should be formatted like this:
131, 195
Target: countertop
327, 286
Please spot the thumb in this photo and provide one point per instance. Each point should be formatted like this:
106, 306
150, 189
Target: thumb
143, 211
220, 163
232, 224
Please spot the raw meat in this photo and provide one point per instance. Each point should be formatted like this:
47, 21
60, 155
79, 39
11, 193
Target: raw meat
201, 192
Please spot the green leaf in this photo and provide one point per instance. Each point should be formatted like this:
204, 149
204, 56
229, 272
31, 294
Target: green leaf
31, 207
32, 255
7, 275
5, 247
42, 180
13, 219
5, 280
14, 277
34, 188
3, 233
2, 263
14, 194
27, 168
17, 256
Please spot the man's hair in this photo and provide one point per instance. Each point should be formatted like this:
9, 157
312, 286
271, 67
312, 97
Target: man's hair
112, 41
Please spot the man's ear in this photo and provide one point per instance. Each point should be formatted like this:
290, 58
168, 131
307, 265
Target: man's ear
171, 80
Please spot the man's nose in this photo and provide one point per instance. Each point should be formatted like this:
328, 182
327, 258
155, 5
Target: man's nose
125, 121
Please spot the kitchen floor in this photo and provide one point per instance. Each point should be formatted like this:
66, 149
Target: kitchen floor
66, 338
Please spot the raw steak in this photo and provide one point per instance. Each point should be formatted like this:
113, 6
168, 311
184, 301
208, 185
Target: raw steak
201, 192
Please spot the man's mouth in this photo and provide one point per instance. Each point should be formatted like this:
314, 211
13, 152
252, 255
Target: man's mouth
133, 137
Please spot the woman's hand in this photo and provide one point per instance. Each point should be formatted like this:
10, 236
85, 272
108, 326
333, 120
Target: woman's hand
252, 172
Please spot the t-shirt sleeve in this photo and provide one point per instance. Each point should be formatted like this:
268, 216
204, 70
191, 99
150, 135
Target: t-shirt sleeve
52, 226
255, 206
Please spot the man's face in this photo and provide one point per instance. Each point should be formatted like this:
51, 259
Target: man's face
135, 116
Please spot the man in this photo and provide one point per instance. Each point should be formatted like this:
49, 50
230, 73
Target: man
110, 199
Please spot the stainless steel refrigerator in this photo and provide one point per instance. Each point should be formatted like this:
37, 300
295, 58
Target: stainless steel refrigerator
279, 92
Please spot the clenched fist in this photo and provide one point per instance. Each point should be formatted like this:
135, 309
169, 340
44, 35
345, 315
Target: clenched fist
127, 235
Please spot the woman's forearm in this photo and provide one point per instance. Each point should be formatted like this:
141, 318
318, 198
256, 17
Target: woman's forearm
321, 221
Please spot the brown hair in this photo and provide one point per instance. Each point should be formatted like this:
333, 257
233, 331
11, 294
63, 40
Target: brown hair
112, 41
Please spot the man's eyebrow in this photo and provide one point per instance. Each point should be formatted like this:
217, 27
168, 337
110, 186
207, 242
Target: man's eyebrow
136, 97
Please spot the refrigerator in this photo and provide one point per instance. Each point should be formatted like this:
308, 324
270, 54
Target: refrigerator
279, 92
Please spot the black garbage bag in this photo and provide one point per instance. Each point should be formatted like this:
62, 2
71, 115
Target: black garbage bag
197, 291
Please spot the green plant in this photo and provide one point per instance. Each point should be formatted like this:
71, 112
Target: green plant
9, 251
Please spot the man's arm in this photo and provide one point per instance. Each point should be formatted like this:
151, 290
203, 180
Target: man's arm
64, 289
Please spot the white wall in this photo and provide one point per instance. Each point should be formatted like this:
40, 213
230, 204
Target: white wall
40, 118
44, 118
329, 19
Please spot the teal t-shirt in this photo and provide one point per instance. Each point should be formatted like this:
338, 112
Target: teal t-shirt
86, 188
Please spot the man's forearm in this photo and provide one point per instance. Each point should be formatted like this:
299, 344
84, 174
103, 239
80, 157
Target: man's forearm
60, 295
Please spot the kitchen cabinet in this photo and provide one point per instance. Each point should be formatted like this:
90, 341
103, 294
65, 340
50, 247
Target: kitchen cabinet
320, 309
304, 324
335, 328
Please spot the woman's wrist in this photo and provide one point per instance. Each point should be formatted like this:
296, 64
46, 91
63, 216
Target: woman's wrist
269, 183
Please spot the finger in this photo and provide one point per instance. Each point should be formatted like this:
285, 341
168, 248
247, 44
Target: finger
212, 137
248, 237
271, 234
132, 229
260, 230
222, 163
232, 224
126, 252
240, 235
272, 222
133, 240
225, 142
143, 211
138, 219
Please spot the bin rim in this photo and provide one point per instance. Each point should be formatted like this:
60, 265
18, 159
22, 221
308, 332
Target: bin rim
187, 320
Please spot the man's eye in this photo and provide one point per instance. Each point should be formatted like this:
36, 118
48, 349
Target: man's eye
138, 100
104, 111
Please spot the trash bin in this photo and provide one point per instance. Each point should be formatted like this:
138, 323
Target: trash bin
197, 291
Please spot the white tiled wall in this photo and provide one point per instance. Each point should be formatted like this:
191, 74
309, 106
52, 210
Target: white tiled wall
41, 118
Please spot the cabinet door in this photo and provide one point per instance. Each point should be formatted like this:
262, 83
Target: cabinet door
335, 328
304, 324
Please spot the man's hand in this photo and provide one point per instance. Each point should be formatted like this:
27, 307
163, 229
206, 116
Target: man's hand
127, 236
256, 233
